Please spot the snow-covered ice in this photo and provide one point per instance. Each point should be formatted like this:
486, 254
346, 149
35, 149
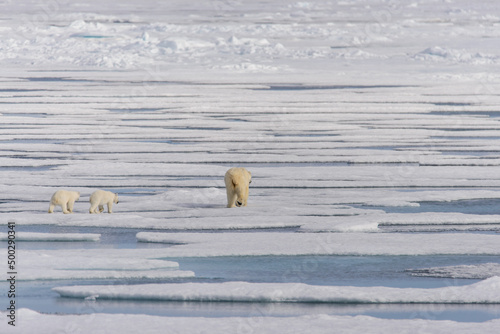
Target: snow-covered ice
128, 323
30, 236
261, 243
364, 124
92, 264
289, 293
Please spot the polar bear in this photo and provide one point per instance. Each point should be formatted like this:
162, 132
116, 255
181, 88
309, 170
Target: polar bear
237, 180
101, 197
65, 199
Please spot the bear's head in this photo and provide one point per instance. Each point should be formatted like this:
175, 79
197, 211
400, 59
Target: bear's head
242, 189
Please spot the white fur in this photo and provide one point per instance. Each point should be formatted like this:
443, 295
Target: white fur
65, 199
101, 197
237, 180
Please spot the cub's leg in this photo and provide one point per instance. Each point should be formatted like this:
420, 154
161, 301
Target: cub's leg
93, 208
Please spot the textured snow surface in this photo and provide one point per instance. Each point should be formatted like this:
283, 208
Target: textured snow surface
289, 293
95, 264
126, 323
31, 236
370, 127
261, 243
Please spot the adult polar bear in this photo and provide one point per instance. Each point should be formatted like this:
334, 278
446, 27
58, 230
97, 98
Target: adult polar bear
65, 199
237, 181
101, 197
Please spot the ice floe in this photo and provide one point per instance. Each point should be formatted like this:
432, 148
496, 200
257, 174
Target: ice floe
32, 236
289, 293
65, 274
95, 264
313, 209
261, 243
132, 323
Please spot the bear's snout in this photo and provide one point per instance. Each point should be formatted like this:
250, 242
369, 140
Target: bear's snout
236, 181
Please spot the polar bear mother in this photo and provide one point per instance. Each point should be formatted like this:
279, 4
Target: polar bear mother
237, 181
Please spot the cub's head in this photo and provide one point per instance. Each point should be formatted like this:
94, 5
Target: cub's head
116, 199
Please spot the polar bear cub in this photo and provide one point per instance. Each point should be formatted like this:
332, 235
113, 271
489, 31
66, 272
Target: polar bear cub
65, 199
101, 197
237, 181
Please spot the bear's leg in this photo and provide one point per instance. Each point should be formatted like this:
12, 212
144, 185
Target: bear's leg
70, 206
110, 207
93, 208
51, 208
231, 198
101, 208
245, 197
65, 207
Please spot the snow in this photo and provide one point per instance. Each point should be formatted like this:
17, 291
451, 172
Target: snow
455, 56
261, 243
31, 236
44, 274
126, 323
364, 123
288, 293
204, 208
91, 264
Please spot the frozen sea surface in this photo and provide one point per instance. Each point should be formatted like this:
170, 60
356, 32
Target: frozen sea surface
370, 127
